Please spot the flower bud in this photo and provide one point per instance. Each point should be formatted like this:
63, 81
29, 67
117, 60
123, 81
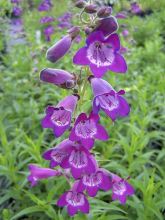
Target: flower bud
80, 4
60, 78
74, 32
58, 50
90, 9
88, 30
121, 15
104, 12
107, 25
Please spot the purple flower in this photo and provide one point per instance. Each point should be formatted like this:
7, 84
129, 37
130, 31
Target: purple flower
135, 8
45, 5
107, 25
15, 1
74, 201
107, 99
73, 156
58, 50
46, 19
121, 15
59, 117
17, 22
58, 77
87, 129
65, 21
121, 189
95, 181
48, 31
17, 11
63, 25
125, 33
101, 54
38, 173
66, 17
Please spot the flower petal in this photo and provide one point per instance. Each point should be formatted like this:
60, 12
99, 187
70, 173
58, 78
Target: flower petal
98, 71
76, 173
112, 114
101, 133
119, 65
46, 122
72, 210
80, 58
106, 183
59, 130
85, 207
95, 36
124, 108
62, 200
88, 143
92, 191
114, 40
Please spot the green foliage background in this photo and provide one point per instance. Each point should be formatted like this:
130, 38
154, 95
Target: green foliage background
136, 144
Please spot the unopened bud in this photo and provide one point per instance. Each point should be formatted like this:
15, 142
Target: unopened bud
58, 50
74, 32
58, 77
104, 12
90, 9
88, 30
80, 4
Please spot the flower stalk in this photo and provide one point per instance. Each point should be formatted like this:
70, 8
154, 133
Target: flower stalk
73, 155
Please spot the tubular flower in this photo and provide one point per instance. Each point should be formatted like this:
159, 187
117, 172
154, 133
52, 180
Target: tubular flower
87, 129
107, 99
95, 181
121, 189
48, 31
135, 8
38, 173
74, 201
45, 5
17, 11
71, 156
46, 19
101, 54
58, 77
59, 117
121, 15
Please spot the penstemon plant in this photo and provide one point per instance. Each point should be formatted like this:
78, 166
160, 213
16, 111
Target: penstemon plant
78, 164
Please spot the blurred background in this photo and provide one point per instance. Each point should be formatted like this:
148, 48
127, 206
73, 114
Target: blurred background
136, 147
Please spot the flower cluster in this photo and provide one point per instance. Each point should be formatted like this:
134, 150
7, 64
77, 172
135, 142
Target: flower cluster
17, 10
73, 155
46, 21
